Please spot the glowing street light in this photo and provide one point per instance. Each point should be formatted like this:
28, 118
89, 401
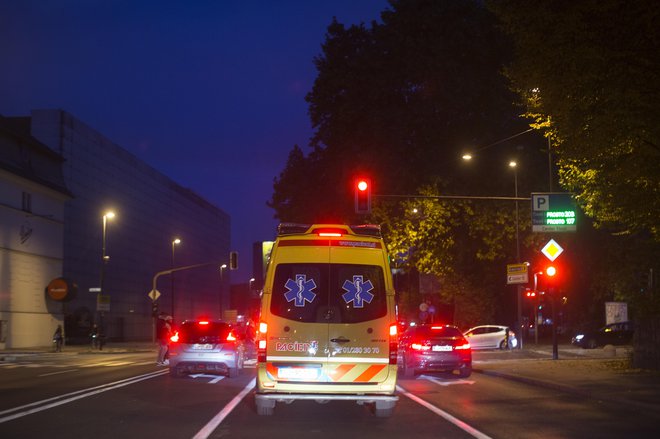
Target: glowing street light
175, 242
104, 259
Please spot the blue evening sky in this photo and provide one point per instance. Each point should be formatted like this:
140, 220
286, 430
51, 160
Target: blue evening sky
210, 93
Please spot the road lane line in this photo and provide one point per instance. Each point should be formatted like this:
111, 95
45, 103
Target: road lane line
57, 373
55, 401
457, 422
209, 428
444, 383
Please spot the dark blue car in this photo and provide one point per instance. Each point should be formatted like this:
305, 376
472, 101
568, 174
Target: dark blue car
620, 333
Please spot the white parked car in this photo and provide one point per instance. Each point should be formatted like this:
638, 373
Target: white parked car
491, 337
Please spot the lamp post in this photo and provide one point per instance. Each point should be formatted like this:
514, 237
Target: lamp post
223, 267
175, 242
514, 165
104, 259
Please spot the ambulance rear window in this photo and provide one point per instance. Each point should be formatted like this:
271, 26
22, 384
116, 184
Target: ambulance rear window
329, 293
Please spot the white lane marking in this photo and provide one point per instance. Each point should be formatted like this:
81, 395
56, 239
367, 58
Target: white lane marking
457, 422
73, 396
443, 382
210, 427
57, 373
215, 379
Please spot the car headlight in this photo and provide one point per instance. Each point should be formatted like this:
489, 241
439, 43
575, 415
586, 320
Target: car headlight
579, 337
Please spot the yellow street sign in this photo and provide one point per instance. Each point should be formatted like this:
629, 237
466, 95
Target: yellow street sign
516, 274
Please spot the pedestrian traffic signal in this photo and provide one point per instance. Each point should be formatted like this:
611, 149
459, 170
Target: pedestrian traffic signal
363, 196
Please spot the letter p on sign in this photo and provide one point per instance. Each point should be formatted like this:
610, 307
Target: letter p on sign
540, 202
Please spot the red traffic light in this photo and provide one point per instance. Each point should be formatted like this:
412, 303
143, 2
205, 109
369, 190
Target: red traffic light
363, 195
550, 271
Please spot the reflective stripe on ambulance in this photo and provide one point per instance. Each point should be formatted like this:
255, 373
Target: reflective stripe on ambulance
336, 370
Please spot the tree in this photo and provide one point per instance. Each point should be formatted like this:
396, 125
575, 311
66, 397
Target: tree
590, 73
397, 102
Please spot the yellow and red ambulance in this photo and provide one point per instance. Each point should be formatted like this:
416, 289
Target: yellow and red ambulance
328, 327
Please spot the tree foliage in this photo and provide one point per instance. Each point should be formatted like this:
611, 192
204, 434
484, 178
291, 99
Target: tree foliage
590, 73
399, 101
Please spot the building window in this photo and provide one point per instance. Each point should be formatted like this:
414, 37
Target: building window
27, 202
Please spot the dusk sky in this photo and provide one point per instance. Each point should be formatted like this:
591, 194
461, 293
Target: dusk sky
210, 92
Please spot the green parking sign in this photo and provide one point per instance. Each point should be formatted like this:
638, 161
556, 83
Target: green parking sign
553, 212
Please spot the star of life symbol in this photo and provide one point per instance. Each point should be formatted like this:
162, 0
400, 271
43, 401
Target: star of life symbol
357, 291
300, 290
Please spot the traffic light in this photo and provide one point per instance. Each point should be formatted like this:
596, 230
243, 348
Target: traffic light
551, 275
233, 260
530, 294
363, 195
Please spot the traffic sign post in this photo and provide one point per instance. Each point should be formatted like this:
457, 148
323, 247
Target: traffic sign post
553, 212
516, 274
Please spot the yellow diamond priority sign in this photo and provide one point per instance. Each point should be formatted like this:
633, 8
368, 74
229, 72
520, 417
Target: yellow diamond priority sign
552, 250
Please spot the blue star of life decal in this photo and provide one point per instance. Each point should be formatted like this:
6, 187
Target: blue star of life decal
300, 290
358, 291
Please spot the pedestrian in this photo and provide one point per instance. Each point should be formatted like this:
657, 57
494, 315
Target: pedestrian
163, 333
58, 339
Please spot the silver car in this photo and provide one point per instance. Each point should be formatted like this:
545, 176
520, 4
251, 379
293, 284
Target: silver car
208, 346
491, 337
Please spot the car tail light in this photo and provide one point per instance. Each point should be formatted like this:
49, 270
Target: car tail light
175, 338
394, 343
261, 344
462, 346
203, 322
230, 336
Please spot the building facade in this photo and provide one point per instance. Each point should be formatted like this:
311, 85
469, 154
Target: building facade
129, 250
32, 200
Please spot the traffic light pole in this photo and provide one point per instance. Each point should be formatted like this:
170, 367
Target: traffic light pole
555, 350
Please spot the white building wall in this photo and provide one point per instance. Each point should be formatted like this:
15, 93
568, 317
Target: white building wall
31, 248
151, 210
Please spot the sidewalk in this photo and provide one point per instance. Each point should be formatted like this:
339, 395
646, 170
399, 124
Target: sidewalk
602, 374
10, 355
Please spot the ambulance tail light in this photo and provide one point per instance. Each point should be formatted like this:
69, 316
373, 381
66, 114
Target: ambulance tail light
394, 343
261, 343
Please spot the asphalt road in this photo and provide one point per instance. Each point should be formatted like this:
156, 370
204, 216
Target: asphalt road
126, 395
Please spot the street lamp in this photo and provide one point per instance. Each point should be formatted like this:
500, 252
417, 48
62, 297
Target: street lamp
175, 241
470, 154
223, 267
250, 284
514, 165
104, 259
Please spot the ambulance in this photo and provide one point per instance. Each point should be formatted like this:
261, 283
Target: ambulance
328, 327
